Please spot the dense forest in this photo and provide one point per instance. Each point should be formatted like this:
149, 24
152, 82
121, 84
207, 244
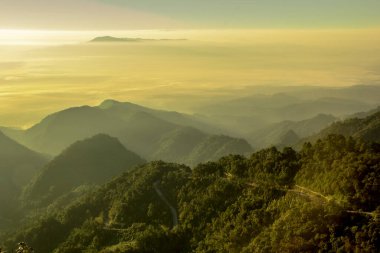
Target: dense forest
322, 198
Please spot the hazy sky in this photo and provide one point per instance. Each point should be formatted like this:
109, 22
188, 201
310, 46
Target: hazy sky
144, 14
38, 80
46, 64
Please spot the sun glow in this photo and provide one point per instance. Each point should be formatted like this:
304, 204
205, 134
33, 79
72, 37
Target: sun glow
37, 37
24, 37
69, 71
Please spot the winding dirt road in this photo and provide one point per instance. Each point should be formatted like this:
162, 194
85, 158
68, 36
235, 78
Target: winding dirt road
165, 200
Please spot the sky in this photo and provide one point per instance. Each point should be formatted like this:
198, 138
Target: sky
46, 64
195, 14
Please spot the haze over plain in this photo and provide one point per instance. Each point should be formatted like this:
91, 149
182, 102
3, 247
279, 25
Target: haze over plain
47, 65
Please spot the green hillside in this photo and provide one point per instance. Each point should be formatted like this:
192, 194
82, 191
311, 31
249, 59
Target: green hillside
90, 161
323, 198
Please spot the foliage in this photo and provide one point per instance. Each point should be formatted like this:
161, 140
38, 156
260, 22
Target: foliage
321, 199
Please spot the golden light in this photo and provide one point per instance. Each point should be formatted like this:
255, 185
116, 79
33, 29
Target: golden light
36, 37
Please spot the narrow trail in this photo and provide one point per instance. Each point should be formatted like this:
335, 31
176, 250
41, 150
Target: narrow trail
310, 194
325, 199
372, 214
115, 229
165, 200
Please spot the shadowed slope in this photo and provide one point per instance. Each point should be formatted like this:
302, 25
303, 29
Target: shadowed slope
91, 161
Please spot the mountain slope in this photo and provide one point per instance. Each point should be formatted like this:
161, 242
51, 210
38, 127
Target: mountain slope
91, 161
214, 147
367, 129
272, 135
288, 139
190, 146
18, 160
123, 110
57, 131
115, 39
18, 165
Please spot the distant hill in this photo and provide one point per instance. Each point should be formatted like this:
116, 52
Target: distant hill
18, 165
142, 130
365, 93
59, 130
107, 39
367, 129
365, 114
252, 109
273, 134
326, 105
216, 146
288, 139
125, 109
90, 161
115, 39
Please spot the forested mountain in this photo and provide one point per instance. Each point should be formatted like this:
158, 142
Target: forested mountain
323, 198
18, 164
273, 135
91, 161
152, 134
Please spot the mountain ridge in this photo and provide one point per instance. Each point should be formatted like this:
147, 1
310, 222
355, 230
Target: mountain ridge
142, 130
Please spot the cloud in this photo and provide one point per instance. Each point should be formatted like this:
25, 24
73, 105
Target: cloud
10, 65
